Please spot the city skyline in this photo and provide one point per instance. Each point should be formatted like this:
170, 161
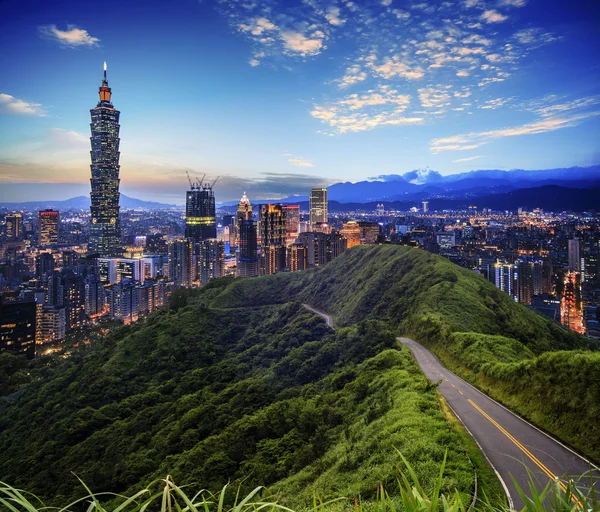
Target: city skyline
293, 96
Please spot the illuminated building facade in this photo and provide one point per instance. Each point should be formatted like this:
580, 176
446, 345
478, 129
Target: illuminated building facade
13, 226
272, 234
318, 206
292, 222
182, 270
571, 311
200, 218
105, 229
48, 227
351, 232
17, 327
212, 260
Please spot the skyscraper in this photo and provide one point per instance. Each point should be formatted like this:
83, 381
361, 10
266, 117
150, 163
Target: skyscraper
13, 226
200, 218
292, 222
318, 206
247, 253
212, 260
48, 227
574, 246
182, 270
105, 229
272, 233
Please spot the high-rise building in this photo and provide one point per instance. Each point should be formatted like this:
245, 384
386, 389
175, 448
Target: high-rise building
123, 302
425, 206
181, 262
17, 327
351, 231
44, 263
53, 321
105, 228
574, 254
48, 227
247, 259
504, 277
272, 234
297, 257
212, 260
13, 226
318, 206
571, 311
95, 299
292, 222
369, 232
200, 218
244, 210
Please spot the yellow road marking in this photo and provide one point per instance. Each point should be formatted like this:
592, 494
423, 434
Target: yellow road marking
549, 473
460, 391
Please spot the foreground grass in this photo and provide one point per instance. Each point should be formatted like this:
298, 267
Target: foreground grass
165, 496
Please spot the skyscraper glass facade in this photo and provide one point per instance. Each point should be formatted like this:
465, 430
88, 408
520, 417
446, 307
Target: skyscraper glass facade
105, 228
200, 218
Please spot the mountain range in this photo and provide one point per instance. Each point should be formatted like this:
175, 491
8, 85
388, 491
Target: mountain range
574, 188
83, 203
557, 189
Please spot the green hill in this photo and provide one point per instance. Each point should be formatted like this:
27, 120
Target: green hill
239, 381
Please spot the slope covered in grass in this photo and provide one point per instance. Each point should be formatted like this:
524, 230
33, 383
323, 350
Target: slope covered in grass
465, 319
261, 395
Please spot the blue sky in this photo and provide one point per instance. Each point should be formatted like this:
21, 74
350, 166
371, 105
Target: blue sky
279, 96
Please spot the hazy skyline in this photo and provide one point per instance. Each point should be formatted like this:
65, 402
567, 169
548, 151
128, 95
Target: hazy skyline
279, 97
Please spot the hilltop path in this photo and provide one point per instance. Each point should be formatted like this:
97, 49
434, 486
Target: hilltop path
512, 446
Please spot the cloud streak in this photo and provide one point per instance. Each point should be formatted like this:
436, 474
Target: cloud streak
14, 106
73, 37
477, 139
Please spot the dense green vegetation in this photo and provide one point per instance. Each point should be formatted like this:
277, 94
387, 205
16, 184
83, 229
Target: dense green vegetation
474, 327
266, 395
239, 381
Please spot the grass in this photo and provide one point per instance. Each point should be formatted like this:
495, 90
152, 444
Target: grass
165, 496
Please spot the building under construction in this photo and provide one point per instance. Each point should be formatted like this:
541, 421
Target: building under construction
200, 219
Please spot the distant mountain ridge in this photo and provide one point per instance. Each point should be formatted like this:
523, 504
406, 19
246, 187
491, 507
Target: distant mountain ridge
83, 203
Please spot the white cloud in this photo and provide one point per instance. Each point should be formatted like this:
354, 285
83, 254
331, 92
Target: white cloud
492, 16
392, 67
11, 105
514, 3
254, 62
468, 159
333, 16
386, 3
300, 162
477, 139
385, 96
258, 26
360, 112
299, 43
434, 98
72, 37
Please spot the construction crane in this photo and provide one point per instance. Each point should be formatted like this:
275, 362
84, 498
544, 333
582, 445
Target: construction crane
198, 181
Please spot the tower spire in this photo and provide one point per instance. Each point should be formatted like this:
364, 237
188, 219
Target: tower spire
105, 92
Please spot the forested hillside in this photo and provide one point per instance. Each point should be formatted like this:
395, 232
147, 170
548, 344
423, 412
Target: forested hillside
239, 381
476, 329
268, 395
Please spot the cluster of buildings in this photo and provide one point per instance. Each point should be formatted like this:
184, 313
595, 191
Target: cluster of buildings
549, 262
60, 271
60, 274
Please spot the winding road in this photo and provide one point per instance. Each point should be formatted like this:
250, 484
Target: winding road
514, 448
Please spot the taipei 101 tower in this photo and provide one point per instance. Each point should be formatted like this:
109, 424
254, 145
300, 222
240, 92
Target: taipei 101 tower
105, 228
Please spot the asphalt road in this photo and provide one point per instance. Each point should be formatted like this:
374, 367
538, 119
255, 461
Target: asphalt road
327, 317
511, 445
